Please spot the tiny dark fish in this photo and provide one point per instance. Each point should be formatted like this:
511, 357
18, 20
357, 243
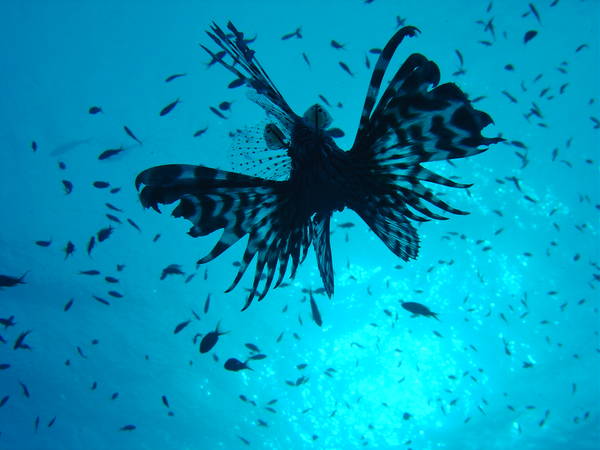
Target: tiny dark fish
113, 207
89, 272
127, 428
104, 233
8, 322
24, 389
69, 249
510, 97
207, 304
257, 357
167, 109
535, 12
418, 309
210, 339
181, 326
115, 294
316, 315
189, 278
80, 351
111, 280
252, 347
101, 300
10, 281
243, 439
529, 36
90, 245
4, 366
101, 184
68, 305
235, 365
110, 153
174, 77
225, 106
94, 110
4, 400
43, 243
200, 132
347, 225
217, 112
346, 68
131, 135
337, 45
68, 186
19, 343
113, 218
460, 57
34, 146
165, 401
306, 60
297, 34
171, 269
134, 225
62, 165
236, 83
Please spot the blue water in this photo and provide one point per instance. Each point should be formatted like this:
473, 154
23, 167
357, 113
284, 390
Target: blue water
398, 382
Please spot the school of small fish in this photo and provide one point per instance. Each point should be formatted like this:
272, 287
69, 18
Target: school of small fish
289, 178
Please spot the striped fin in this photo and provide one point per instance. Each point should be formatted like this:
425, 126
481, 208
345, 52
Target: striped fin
245, 66
322, 248
240, 205
387, 216
413, 122
261, 151
378, 72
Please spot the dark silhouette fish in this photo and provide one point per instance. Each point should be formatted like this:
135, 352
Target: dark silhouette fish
235, 365
131, 134
10, 281
174, 76
210, 339
68, 186
69, 249
181, 326
419, 310
171, 269
167, 109
110, 153
9, 322
304, 177
316, 315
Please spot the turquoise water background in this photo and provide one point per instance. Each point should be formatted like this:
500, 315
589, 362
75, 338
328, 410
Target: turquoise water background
515, 281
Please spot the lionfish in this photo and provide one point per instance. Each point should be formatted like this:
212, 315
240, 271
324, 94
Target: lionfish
380, 177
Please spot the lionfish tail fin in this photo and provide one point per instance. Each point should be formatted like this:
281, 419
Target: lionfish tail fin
239, 205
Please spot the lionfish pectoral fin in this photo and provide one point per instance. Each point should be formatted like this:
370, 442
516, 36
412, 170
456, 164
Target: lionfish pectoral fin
322, 246
413, 122
239, 205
